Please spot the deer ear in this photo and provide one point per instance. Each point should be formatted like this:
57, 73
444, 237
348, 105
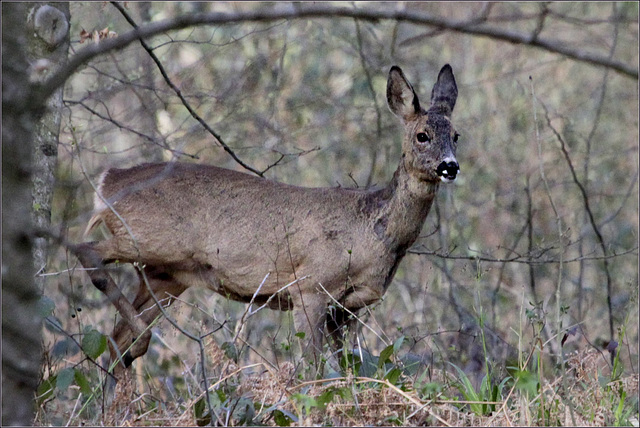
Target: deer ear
445, 91
401, 97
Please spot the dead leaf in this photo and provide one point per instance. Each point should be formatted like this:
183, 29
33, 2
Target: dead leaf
84, 35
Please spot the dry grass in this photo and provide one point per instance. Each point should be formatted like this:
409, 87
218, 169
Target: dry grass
261, 395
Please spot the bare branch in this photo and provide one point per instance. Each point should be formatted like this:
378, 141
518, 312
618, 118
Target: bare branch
592, 221
110, 119
527, 259
184, 101
41, 92
372, 92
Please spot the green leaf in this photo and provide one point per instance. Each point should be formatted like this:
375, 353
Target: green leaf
345, 393
53, 324
221, 395
45, 389
45, 306
384, 356
244, 412
468, 391
398, 343
199, 408
619, 409
283, 419
485, 388
65, 347
65, 378
430, 390
325, 398
307, 402
527, 382
350, 360
393, 375
82, 382
94, 344
230, 351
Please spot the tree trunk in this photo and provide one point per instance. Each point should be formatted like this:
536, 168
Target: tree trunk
48, 42
21, 322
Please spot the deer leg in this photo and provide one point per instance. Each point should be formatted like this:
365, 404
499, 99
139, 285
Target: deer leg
341, 320
309, 316
337, 320
91, 260
164, 289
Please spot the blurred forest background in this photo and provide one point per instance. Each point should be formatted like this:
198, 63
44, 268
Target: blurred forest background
535, 246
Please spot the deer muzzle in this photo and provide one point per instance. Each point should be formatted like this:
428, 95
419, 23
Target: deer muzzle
447, 170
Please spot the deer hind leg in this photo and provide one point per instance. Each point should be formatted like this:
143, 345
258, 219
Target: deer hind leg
89, 256
164, 289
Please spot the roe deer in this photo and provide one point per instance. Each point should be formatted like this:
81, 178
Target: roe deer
192, 225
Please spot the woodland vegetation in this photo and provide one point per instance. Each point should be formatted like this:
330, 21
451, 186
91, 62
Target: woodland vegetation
517, 305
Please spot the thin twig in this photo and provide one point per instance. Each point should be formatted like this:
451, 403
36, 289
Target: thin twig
592, 221
184, 101
126, 128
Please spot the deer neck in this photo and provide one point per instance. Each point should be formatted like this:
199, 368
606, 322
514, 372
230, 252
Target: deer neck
403, 208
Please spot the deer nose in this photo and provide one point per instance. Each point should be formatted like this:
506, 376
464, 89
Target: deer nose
447, 170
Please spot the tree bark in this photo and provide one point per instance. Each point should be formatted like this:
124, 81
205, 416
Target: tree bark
49, 41
21, 321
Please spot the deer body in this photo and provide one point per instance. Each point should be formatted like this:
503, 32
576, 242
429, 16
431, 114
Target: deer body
196, 225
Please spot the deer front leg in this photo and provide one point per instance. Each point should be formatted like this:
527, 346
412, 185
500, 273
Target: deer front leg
342, 317
91, 260
309, 315
339, 320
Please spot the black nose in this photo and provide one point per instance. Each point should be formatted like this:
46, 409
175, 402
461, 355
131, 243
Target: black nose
448, 170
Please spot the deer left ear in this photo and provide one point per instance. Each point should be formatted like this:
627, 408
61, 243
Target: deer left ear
445, 92
401, 97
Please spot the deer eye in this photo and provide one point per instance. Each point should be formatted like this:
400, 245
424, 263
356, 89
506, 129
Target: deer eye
422, 137
455, 137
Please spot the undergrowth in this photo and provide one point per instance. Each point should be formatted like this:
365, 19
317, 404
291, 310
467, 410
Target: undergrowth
391, 388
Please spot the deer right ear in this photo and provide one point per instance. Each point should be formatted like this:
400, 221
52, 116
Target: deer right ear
445, 91
401, 97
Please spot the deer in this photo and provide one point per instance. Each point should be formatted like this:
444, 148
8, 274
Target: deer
322, 253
